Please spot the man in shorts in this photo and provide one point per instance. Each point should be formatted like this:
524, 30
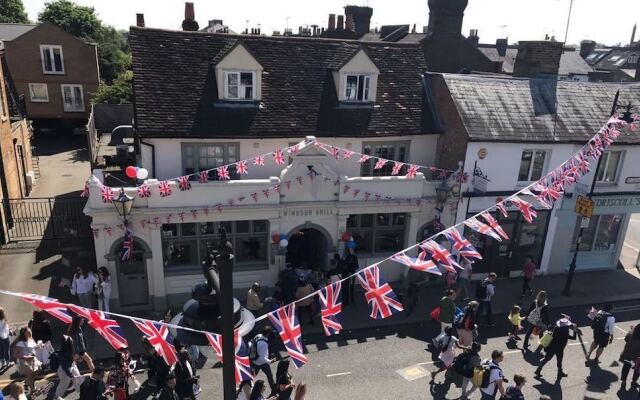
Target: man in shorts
603, 326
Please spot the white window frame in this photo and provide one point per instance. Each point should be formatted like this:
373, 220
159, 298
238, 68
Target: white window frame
49, 48
366, 93
197, 167
604, 165
64, 105
547, 155
254, 91
39, 100
633, 59
367, 168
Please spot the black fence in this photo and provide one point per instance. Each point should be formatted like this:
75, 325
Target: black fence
46, 218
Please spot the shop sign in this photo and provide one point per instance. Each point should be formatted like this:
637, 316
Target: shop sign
632, 179
619, 202
308, 212
482, 153
584, 206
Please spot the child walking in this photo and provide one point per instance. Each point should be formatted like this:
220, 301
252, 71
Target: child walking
516, 322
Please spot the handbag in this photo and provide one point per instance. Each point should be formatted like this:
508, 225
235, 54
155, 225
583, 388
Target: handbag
545, 340
120, 394
435, 314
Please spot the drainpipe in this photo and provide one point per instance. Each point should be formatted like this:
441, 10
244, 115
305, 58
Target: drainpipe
153, 156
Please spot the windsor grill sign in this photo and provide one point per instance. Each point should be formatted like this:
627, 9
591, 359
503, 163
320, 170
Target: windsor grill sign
46, 218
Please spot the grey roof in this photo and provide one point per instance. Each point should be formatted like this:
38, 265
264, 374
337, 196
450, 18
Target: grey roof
570, 62
614, 58
12, 31
520, 110
396, 37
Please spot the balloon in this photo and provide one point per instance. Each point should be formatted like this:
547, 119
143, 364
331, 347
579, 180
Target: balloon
284, 243
346, 237
130, 171
351, 244
275, 238
142, 174
283, 236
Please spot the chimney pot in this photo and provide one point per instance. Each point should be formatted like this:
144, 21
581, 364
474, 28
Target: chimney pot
332, 22
501, 46
189, 23
587, 47
349, 23
340, 23
140, 20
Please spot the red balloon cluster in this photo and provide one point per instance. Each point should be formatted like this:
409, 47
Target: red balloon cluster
131, 172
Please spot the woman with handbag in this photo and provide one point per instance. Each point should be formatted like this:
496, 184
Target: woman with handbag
537, 318
468, 324
561, 335
118, 380
28, 364
630, 356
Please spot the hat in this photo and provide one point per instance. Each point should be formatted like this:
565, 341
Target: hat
565, 320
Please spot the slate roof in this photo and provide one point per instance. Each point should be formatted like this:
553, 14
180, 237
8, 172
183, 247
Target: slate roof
614, 58
570, 62
176, 94
12, 31
523, 110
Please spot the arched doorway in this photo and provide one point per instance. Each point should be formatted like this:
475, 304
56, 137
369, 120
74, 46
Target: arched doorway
308, 248
133, 283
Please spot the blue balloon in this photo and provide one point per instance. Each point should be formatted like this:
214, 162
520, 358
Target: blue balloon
351, 244
283, 236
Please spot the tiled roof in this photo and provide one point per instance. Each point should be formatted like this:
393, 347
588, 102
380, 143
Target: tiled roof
615, 58
12, 31
512, 109
176, 93
570, 61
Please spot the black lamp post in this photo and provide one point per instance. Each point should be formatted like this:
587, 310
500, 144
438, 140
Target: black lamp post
442, 193
123, 204
224, 262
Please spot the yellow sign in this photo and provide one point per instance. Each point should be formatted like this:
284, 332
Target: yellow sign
482, 153
584, 206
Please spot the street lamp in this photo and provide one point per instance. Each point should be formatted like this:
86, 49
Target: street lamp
442, 193
123, 204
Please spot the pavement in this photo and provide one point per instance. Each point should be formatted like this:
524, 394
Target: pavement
631, 248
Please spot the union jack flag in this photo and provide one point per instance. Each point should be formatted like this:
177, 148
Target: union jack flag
356, 192
50, 305
242, 362
503, 210
223, 173
278, 157
494, 224
480, 227
241, 167
203, 176
412, 171
421, 263
254, 196
347, 154
528, 213
345, 189
259, 161
543, 202
164, 188
108, 328
547, 193
266, 193
397, 166
286, 323
379, 295
299, 179
441, 255
335, 152
184, 184
85, 191
127, 245
462, 245
363, 158
144, 191
583, 163
107, 194
330, 308
158, 336
380, 163
294, 149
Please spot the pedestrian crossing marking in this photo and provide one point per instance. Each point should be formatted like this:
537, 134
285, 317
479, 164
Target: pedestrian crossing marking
413, 372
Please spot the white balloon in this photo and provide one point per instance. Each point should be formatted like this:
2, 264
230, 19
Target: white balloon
284, 243
142, 173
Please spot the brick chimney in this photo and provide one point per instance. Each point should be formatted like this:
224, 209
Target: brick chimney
537, 58
348, 23
361, 18
587, 47
340, 26
473, 37
332, 22
189, 23
501, 46
140, 20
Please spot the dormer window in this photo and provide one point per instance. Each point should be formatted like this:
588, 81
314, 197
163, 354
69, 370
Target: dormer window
357, 87
633, 59
239, 85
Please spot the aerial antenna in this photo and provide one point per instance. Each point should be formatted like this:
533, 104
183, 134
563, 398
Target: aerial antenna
566, 32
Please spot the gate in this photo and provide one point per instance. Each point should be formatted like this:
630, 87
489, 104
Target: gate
46, 218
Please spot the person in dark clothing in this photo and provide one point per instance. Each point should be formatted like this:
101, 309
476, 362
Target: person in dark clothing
40, 327
351, 265
537, 317
67, 369
514, 392
289, 284
185, 376
158, 367
563, 331
285, 388
168, 392
93, 387
630, 353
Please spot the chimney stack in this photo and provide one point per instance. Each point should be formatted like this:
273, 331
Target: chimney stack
633, 34
361, 18
332, 22
473, 37
587, 47
348, 25
140, 20
536, 58
189, 23
501, 46
340, 26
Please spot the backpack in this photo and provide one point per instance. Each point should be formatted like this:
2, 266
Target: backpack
54, 361
599, 322
481, 289
439, 341
534, 317
482, 375
253, 347
458, 320
462, 364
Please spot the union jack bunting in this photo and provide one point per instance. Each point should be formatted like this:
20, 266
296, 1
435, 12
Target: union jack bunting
480, 227
543, 203
294, 149
184, 184
164, 188
286, 323
500, 207
366, 196
85, 191
107, 194
299, 179
194, 214
108, 328
397, 166
380, 163
363, 158
223, 173
528, 213
347, 154
266, 193
242, 363
412, 171
330, 308
203, 176
181, 216
277, 188
421, 263
462, 245
50, 305
287, 183
356, 192
127, 245
158, 336
583, 163
219, 207
494, 224
440, 255
254, 196
144, 191
241, 167
335, 152
345, 189
379, 295
278, 157
547, 193
259, 161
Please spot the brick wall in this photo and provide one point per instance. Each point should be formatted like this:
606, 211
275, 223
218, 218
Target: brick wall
536, 58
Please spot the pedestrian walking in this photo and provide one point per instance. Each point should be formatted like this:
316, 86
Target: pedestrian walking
629, 357
467, 325
244, 390
446, 342
537, 318
258, 392
464, 279
259, 355
28, 364
562, 332
603, 325
84, 286
285, 388
528, 274
185, 376
40, 327
465, 364
168, 392
158, 367
5, 341
413, 281
514, 392
93, 387
288, 284
495, 382
447, 309
452, 278
301, 392
516, 322
484, 294
80, 344
351, 265
104, 289
67, 369
254, 303
305, 302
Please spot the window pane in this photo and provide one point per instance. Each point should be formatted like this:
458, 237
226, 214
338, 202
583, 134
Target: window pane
246, 78
207, 228
607, 232
251, 249
383, 220
612, 166
388, 241
181, 252
46, 56
363, 242
366, 220
169, 230
588, 234
361, 87
259, 226
242, 226
525, 165
538, 165
68, 100
352, 221
188, 229
351, 87
603, 164
57, 58
367, 82
231, 150
399, 219
232, 79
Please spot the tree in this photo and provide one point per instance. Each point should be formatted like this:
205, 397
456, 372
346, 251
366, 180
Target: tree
113, 53
12, 11
119, 92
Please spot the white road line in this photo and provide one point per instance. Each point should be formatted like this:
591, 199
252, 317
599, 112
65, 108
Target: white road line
621, 330
632, 247
339, 374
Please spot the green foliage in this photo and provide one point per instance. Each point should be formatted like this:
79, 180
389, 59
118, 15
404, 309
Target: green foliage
119, 92
12, 11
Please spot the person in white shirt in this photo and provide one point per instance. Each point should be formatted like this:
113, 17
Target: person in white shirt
83, 285
28, 364
496, 377
254, 304
603, 328
104, 289
464, 278
5, 343
262, 362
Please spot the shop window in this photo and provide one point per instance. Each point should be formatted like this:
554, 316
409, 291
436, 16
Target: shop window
185, 245
532, 165
601, 234
377, 233
395, 151
198, 157
609, 166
